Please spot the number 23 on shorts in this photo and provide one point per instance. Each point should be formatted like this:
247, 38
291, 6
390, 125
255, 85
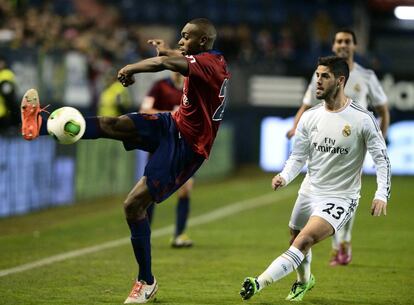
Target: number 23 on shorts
333, 210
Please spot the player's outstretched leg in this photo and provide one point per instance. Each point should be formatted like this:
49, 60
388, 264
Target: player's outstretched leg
298, 290
142, 292
30, 114
250, 287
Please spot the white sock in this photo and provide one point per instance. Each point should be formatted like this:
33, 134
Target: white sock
335, 241
347, 230
304, 269
281, 266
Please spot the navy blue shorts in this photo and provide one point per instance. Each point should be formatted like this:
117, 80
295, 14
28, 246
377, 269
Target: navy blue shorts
172, 160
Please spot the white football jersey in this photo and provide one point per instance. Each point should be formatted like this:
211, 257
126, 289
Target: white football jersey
362, 86
334, 144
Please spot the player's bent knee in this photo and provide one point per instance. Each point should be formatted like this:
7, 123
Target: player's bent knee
304, 242
293, 235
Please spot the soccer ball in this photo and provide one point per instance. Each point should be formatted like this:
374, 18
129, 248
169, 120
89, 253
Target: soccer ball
66, 125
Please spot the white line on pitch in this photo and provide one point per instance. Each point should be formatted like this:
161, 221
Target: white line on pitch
216, 214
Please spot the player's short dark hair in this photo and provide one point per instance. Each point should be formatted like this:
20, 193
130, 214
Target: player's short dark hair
337, 65
348, 31
207, 27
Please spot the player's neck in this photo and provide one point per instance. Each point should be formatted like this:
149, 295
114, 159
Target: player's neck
336, 103
350, 62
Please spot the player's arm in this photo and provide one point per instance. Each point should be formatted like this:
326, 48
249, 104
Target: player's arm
384, 115
308, 98
163, 49
154, 64
297, 158
298, 115
376, 146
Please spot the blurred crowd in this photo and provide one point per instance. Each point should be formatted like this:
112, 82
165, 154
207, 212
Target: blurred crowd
97, 29
109, 34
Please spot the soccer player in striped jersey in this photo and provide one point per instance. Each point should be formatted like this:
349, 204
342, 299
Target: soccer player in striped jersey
364, 88
333, 137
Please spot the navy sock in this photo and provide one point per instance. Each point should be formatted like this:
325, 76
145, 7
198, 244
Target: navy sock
92, 130
150, 212
183, 209
43, 127
141, 243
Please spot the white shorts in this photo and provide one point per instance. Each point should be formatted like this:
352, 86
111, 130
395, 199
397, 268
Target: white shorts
336, 211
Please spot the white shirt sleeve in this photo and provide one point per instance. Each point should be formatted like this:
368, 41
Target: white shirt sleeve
376, 93
299, 155
310, 95
378, 151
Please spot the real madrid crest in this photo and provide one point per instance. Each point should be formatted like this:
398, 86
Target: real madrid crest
346, 132
357, 88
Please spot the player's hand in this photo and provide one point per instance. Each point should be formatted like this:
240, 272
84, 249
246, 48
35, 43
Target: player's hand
378, 207
160, 45
277, 182
290, 133
125, 77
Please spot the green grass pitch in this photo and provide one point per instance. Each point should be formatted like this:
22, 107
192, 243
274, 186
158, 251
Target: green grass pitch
241, 242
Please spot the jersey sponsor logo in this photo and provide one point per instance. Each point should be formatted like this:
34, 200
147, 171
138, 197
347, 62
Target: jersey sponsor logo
328, 147
346, 132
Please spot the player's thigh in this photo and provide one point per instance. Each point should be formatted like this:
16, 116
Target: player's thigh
148, 130
336, 211
171, 165
302, 210
138, 200
315, 230
186, 188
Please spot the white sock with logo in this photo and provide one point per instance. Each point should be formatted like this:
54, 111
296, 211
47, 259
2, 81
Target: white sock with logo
281, 266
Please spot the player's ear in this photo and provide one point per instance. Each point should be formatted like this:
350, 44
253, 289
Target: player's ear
341, 80
203, 40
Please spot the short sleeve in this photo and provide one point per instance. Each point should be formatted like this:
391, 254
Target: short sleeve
376, 93
200, 67
310, 95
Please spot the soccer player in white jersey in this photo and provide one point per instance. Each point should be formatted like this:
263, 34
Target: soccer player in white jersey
333, 137
364, 88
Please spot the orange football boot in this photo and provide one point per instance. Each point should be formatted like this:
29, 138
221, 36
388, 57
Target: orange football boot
30, 113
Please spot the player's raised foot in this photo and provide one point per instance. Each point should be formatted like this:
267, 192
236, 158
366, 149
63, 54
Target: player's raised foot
345, 253
249, 288
298, 290
142, 293
333, 260
30, 114
181, 241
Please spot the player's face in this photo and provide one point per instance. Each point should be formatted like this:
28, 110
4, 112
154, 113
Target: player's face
191, 40
326, 84
344, 45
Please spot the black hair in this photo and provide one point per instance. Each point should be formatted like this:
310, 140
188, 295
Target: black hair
348, 31
337, 65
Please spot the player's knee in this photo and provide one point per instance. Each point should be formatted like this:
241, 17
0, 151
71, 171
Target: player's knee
293, 235
304, 242
134, 207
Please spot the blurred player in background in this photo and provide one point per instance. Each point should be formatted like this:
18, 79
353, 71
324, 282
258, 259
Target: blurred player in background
165, 95
179, 142
115, 99
9, 109
333, 137
365, 89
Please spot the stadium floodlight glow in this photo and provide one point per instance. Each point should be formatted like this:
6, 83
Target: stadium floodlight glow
404, 12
